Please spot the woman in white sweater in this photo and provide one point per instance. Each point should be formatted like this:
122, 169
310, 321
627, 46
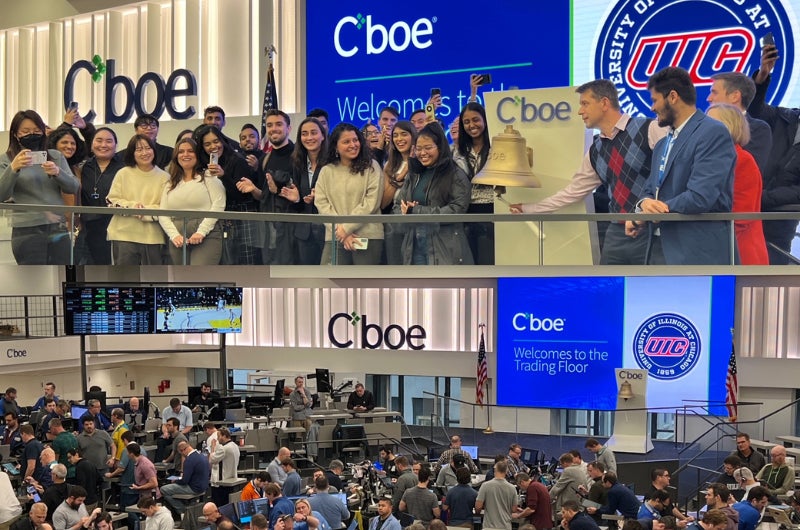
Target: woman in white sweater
137, 239
351, 184
189, 189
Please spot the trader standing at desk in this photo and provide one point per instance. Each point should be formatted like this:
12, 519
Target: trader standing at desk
300, 403
361, 400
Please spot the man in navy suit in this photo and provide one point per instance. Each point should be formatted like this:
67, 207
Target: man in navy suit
692, 173
739, 90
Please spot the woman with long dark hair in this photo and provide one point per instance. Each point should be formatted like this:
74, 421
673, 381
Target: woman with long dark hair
97, 175
350, 184
308, 158
435, 185
401, 148
189, 189
37, 238
471, 156
244, 239
137, 239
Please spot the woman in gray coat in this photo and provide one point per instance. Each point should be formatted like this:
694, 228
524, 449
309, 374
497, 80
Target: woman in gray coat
435, 185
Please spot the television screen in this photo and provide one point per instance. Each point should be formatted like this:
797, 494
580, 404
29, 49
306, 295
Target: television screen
566, 336
107, 309
198, 309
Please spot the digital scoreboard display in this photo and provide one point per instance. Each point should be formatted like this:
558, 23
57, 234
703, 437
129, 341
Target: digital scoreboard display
108, 310
135, 309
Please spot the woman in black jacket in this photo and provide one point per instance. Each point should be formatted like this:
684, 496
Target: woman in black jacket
435, 185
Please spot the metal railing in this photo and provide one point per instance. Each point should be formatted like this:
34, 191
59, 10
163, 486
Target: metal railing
536, 221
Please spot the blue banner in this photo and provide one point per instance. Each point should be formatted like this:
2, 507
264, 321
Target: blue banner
560, 339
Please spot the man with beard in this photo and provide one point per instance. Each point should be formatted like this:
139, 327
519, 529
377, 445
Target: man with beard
277, 168
692, 173
71, 514
249, 140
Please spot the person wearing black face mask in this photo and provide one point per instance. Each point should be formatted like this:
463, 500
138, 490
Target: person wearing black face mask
37, 238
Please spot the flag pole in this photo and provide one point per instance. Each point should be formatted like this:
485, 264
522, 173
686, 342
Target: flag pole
488, 429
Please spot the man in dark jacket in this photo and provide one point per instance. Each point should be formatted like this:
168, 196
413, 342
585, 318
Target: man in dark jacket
782, 175
620, 498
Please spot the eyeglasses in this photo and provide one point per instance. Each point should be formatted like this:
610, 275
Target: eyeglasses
372, 133
426, 148
148, 125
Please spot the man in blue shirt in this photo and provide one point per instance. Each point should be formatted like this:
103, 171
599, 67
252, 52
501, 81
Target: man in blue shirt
460, 499
750, 509
574, 519
652, 507
195, 478
278, 504
330, 506
384, 520
49, 392
293, 485
620, 498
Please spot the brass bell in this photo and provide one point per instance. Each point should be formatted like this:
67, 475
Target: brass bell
625, 391
509, 162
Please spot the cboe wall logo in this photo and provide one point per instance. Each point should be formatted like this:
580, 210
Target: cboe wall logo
637, 38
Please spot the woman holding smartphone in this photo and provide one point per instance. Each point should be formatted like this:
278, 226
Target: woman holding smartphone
189, 189
471, 156
137, 239
242, 239
350, 184
404, 135
97, 175
32, 175
435, 185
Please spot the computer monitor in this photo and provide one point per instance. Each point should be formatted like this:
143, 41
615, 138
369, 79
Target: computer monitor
146, 400
261, 506
245, 510
191, 393
277, 396
229, 511
530, 456
230, 402
100, 396
323, 377
77, 411
258, 405
134, 420
471, 450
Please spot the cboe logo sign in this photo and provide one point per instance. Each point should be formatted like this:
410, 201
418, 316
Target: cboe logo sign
180, 83
373, 336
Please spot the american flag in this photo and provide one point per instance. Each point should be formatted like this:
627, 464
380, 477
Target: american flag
270, 101
483, 372
732, 387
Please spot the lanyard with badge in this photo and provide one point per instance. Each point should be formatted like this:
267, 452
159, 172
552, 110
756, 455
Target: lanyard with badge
663, 165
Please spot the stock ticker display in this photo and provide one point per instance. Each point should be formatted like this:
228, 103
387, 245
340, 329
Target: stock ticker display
97, 310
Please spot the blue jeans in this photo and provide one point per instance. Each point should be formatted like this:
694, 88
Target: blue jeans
169, 490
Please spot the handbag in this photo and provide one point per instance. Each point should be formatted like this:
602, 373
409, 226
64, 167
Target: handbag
230, 253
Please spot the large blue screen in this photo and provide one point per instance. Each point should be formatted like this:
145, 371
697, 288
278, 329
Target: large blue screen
560, 339
362, 56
